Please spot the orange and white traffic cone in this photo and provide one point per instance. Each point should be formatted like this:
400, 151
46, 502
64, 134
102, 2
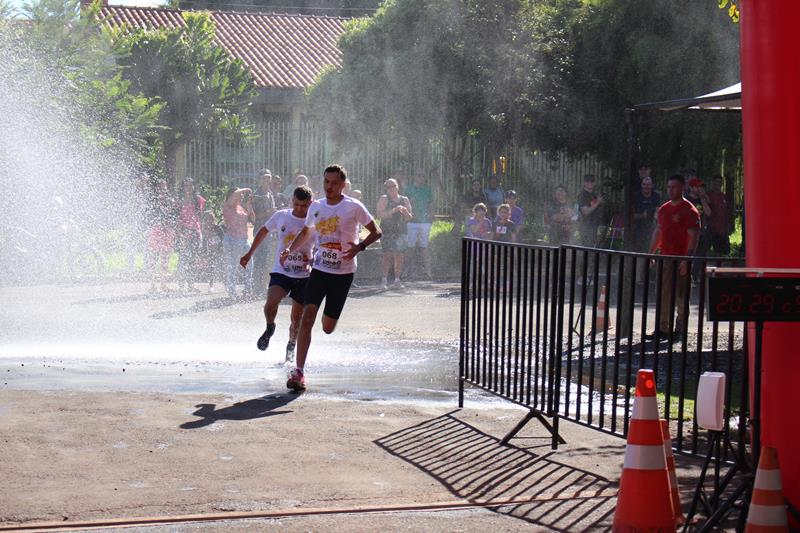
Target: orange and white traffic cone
644, 502
767, 512
673, 477
601, 320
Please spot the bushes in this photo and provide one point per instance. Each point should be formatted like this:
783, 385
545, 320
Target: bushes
445, 250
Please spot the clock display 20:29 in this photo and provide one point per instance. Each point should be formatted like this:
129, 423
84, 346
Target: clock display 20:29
754, 299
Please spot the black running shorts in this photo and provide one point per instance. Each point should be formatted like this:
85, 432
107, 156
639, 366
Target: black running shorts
294, 287
333, 288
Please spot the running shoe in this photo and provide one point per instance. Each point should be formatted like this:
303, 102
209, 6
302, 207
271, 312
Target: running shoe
297, 381
290, 351
263, 340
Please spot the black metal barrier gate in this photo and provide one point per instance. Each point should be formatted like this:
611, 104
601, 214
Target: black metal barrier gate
563, 331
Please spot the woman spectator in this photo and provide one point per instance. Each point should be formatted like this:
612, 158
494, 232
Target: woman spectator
560, 217
395, 212
162, 218
189, 234
234, 244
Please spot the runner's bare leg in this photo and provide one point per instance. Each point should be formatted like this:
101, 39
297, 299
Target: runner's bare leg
304, 333
274, 296
296, 315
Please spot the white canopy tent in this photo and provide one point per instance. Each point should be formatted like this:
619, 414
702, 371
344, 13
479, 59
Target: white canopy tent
727, 99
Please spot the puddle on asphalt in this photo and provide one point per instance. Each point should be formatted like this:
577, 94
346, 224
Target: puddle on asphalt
369, 371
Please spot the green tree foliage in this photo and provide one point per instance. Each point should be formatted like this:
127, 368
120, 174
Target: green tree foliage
598, 58
65, 38
421, 69
201, 88
549, 74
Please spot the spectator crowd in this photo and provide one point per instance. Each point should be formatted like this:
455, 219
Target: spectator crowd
208, 249
492, 213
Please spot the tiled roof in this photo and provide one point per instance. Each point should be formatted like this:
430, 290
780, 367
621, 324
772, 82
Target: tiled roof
282, 51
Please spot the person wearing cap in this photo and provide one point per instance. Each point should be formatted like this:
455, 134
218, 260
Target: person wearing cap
517, 214
263, 207
697, 195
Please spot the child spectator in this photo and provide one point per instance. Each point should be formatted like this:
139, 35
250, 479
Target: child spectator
478, 226
504, 228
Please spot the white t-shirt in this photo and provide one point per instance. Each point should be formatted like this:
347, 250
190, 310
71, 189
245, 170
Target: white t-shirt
336, 226
285, 226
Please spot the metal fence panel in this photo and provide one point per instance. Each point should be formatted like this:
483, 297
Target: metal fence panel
563, 331
284, 146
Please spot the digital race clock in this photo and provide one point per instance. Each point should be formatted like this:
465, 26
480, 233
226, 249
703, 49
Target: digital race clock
753, 299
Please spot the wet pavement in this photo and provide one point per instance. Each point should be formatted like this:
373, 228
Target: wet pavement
117, 336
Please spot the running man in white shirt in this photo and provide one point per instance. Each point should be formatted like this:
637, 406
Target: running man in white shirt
335, 220
289, 274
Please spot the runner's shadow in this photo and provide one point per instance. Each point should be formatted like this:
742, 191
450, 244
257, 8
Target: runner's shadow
534, 487
247, 410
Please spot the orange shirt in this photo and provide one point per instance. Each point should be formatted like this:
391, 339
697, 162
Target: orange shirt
675, 221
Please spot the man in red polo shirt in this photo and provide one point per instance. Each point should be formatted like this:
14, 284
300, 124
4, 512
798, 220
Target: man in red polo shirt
677, 233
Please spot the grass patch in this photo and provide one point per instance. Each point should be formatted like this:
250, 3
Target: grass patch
674, 407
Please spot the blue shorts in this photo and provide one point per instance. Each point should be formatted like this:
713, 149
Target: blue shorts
333, 288
294, 287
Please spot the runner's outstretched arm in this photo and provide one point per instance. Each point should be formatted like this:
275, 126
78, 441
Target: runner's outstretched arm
260, 236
